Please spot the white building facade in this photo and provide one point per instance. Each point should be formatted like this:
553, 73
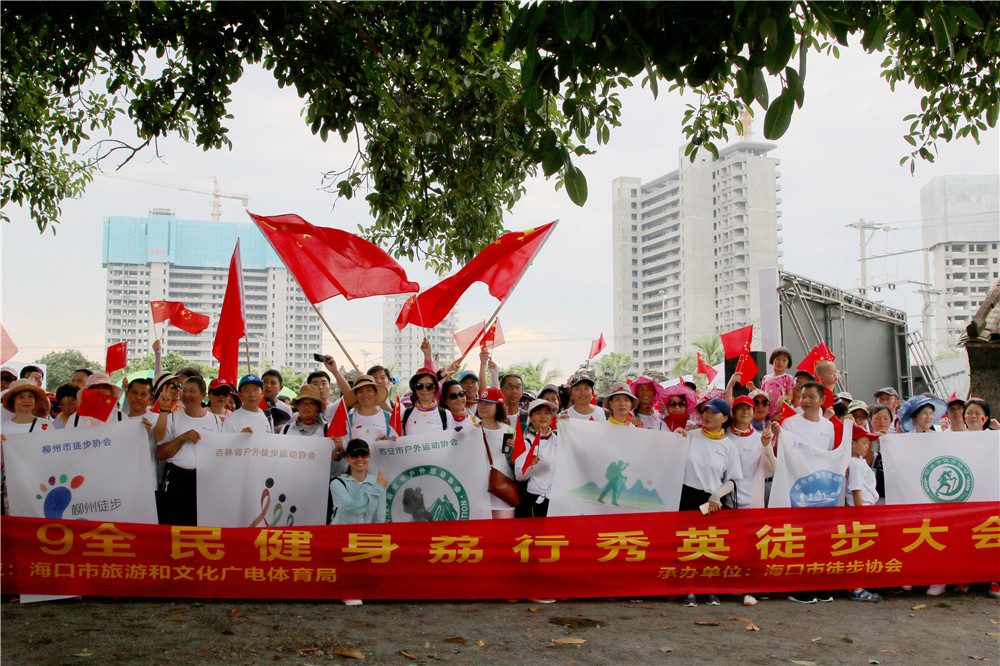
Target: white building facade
960, 219
401, 348
161, 258
687, 249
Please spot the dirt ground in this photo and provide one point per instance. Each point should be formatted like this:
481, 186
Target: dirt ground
909, 629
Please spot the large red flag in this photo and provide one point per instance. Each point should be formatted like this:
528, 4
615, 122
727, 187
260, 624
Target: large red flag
96, 404
736, 342
500, 265
338, 424
7, 347
597, 346
232, 322
747, 368
818, 353
178, 315
116, 357
330, 262
163, 310
707, 370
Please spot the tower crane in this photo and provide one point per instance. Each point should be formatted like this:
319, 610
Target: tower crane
216, 193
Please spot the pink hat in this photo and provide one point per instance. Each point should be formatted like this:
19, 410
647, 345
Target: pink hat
636, 383
681, 390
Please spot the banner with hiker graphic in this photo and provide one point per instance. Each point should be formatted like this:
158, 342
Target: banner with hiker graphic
250, 480
941, 467
604, 468
440, 475
808, 477
104, 473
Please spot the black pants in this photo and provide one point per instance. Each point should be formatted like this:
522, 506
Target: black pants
532, 508
180, 496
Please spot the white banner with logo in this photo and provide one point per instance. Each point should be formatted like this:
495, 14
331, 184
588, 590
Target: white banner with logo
603, 468
102, 473
257, 480
806, 476
441, 475
941, 467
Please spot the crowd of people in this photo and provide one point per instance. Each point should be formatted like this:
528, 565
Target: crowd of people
733, 432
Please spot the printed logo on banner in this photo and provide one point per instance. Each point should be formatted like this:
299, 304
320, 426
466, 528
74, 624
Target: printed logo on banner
820, 488
947, 479
426, 493
615, 489
56, 496
277, 512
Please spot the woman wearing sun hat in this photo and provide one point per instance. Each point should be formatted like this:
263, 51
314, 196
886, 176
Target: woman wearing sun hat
920, 413
621, 402
680, 402
650, 396
309, 420
367, 420
20, 400
101, 383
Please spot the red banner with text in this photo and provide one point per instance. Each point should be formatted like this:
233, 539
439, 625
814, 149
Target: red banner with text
752, 550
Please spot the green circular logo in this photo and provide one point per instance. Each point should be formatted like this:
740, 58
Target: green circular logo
426, 493
947, 479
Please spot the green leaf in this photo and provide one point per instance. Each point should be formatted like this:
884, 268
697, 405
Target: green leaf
992, 113
779, 115
760, 88
576, 185
586, 27
968, 15
653, 86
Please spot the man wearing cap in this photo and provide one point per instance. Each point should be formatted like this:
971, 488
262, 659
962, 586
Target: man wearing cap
955, 421
469, 381
7, 377
249, 417
889, 397
761, 409
178, 503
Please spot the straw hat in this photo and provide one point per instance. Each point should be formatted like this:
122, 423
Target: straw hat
20, 386
381, 392
309, 392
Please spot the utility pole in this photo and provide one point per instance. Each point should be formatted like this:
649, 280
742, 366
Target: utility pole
861, 225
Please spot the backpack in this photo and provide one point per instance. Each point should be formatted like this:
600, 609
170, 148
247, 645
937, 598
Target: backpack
409, 410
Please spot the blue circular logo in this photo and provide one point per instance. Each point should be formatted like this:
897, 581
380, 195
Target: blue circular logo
821, 488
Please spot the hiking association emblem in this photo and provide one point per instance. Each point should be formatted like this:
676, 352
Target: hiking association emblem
426, 493
946, 479
822, 488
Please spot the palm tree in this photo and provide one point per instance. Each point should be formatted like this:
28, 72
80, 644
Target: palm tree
711, 350
533, 375
611, 369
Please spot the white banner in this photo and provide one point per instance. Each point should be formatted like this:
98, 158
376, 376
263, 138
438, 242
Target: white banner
257, 480
434, 476
102, 473
941, 467
603, 468
806, 476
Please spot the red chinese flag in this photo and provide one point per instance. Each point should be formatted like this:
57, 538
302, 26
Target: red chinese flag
330, 262
823, 353
493, 338
116, 356
7, 347
467, 337
520, 446
786, 411
164, 310
190, 321
500, 266
338, 424
808, 363
736, 342
707, 370
597, 346
747, 368
396, 419
96, 404
232, 322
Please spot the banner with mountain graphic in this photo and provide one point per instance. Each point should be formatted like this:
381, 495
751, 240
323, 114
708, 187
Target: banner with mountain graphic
103, 473
603, 468
806, 476
434, 476
257, 480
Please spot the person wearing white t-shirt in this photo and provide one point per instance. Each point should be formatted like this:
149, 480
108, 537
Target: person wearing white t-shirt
581, 392
249, 417
425, 415
179, 499
861, 489
98, 382
810, 426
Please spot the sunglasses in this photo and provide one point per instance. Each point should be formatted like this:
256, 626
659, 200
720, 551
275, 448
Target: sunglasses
358, 455
174, 386
677, 403
761, 402
460, 394
424, 387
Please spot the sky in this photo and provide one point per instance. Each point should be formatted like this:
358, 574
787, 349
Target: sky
839, 163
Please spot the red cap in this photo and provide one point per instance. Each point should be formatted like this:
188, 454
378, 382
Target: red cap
743, 400
859, 432
216, 383
491, 394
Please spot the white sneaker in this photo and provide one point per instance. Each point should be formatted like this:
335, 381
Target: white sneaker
352, 602
935, 590
542, 601
749, 600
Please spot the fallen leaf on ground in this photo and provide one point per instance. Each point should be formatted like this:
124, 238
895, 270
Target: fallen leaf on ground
427, 644
872, 661
752, 627
740, 619
532, 609
817, 640
308, 650
175, 619
890, 651
666, 649
992, 633
236, 612
408, 655
977, 658
995, 621
85, 652
918, 607
847, 639
709, 624
569, 641
353, 653
480, 644
454, 639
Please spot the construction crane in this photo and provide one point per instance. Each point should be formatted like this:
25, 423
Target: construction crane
215, 192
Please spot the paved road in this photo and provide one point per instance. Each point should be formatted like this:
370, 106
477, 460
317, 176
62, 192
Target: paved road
615, 631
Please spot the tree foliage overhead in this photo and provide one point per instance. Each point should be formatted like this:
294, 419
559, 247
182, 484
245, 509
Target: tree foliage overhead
60, 366
452, 106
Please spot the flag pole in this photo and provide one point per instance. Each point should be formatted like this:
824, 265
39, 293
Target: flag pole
504, 301
323, 319
246, 346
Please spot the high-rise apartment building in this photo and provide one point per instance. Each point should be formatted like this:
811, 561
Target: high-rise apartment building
401, 348
960, 217
687, 249
159, 257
